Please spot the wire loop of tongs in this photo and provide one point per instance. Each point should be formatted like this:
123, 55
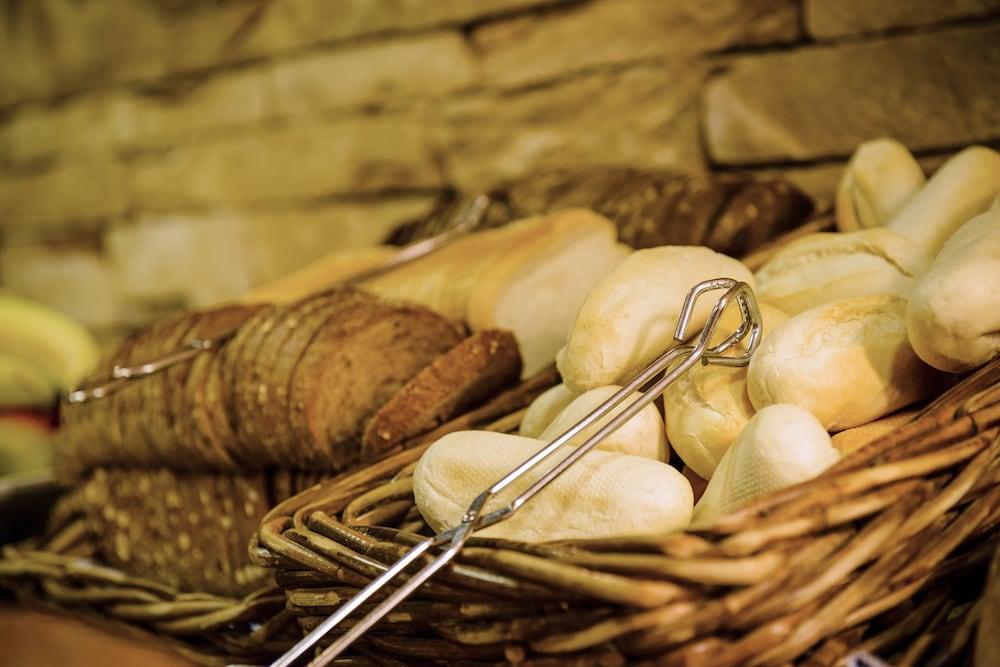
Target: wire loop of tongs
474, 519
470, 217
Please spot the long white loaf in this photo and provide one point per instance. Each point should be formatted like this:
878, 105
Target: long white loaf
605, 494
878, 181
628, 318
961, 189
953, 318
847, 362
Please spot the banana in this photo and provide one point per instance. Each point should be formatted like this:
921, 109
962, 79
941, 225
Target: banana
23, 384
880, 178
59, 347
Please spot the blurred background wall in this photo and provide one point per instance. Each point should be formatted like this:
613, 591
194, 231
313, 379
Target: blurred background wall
165, 153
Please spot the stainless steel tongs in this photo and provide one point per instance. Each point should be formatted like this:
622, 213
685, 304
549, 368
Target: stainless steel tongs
455, 538
469, 219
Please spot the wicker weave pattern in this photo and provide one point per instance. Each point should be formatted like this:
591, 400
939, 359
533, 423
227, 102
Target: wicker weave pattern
802, 574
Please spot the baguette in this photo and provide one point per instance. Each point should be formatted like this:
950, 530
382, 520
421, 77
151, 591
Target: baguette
321, 274
628, 318
847, 362
642, 435
525, 278
880, 178
589, 500
961, 189
855, 438
953, 318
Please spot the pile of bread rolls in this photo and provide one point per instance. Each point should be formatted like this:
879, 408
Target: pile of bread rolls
859, 325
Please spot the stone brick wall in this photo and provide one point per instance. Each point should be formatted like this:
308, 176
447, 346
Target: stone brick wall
165, 153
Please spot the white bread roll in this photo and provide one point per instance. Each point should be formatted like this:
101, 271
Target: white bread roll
953, 318
528, 277
880, 178
707, 407
643, 435
824, 267
846, 362
604, 494
855, 438
544, 409
782, 445
961, 189
628, 318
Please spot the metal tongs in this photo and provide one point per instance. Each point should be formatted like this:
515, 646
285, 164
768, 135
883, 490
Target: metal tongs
649, 381
469, 219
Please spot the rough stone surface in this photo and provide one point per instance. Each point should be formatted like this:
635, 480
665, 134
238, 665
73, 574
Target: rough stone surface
63, 45
83, 190
361, 155
277, 243
928, 91
76, 281
373, 73
525, 50
642, 117
837, 18
190, 260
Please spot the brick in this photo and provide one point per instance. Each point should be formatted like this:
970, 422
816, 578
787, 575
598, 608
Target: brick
75, 281
192, 260
529, 49
42, 133
81, 190
641, 117
309, 159
280, 242
189, 111
825, 19
930, 91
404, 67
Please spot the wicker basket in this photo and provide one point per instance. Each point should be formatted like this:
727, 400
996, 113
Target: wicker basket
885, 547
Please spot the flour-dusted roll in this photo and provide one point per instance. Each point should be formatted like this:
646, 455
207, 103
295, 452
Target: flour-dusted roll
707, 407
628, 318
544, 409
961, 189
847, 362
782, 445
824, 267
880, 178
605, 494
643, 435
953, 318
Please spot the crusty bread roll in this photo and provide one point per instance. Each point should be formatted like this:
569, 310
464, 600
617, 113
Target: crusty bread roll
604, 494
855, 438
847, 362
953, 318
643, 435
782, 445
319, 275
824, 267
961, 189
528, 277
628, 318
707, 407
544, 409
880, 178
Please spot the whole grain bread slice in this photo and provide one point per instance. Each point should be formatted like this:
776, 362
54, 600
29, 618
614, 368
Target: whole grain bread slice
457, 380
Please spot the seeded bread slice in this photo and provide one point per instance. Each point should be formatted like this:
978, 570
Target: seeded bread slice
457, 380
